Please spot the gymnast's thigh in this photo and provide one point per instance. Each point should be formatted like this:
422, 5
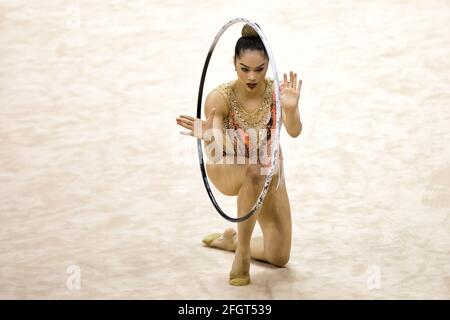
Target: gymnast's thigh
227, 176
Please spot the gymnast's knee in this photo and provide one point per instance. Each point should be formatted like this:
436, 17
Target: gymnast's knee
279, 260
254, 175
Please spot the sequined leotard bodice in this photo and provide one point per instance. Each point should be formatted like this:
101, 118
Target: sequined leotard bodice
250, 133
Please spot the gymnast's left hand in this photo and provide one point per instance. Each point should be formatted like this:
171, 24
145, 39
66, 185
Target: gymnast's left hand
290, 92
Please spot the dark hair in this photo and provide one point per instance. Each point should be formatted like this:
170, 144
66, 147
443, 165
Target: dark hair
253, 42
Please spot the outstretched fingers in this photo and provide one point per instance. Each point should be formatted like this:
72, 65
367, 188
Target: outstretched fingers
292, 83
194, 125
185, 121
187, 117
188, 124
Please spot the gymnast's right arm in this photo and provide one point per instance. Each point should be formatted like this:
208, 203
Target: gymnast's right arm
211, 130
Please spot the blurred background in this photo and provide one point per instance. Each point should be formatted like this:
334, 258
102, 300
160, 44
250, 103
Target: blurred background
101, 197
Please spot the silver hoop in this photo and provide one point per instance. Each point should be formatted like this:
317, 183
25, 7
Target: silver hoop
276, 138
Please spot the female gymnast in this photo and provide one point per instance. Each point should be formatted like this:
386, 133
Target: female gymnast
235, 108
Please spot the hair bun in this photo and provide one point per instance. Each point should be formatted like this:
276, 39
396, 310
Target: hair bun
248, 31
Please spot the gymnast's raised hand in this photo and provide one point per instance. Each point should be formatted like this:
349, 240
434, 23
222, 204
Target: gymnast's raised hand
290, 92
290, 96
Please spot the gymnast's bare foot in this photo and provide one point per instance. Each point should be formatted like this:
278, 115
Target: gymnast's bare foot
225, 241
240, 271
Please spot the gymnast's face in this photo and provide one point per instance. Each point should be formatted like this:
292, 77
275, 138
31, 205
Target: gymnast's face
251, 67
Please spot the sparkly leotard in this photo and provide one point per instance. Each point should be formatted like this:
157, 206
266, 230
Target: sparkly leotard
250, 133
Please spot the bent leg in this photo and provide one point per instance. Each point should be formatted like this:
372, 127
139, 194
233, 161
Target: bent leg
274, 219
227, 178
247, 196
276, 225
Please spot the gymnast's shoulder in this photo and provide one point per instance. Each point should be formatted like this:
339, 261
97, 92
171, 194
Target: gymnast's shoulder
217, 98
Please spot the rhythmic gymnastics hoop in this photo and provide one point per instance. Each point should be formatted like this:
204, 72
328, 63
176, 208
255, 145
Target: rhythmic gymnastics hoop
275, 146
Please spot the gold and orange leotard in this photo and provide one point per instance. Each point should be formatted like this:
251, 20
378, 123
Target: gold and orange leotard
250, 134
